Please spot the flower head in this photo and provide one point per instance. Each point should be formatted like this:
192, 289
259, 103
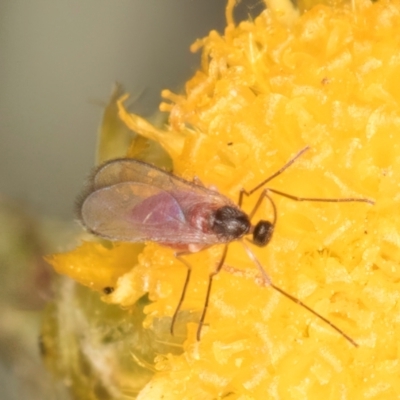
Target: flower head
326, 79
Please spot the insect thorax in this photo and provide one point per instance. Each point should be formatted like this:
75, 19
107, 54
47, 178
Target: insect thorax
230, 223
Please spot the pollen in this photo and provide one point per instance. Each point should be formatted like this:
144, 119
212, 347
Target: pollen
327, 78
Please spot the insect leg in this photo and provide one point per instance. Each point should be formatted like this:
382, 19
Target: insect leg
210, 281
178, 256
263, 230
244, 192
343, 200
293, 298
263, 195
273, 176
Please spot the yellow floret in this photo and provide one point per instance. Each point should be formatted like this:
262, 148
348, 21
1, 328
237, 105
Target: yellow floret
97, 265
265, 90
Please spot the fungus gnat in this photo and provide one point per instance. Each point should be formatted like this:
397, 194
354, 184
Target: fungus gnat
129, 200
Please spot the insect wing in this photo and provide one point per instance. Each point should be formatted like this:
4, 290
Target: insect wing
129, 200
130, 170
135, 212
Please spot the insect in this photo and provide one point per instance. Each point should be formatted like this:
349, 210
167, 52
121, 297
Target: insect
129, 200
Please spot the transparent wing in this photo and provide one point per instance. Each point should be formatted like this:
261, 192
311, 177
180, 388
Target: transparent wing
130, 170
137, 212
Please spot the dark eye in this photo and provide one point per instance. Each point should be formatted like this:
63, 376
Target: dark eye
262, 233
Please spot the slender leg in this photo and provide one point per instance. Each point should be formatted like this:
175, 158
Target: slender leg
342, 200
273, 176
210, 281
267, 279
264, 194
263, 230
244, 192
185, 285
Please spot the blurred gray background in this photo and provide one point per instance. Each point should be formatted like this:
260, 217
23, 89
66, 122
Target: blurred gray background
59, 61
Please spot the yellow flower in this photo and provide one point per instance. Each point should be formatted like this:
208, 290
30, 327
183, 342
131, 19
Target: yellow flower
327, 79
